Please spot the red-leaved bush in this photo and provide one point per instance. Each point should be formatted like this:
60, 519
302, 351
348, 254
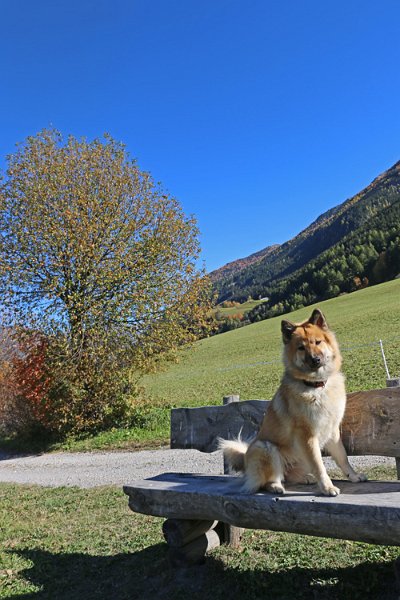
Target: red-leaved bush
24, 381
30, 376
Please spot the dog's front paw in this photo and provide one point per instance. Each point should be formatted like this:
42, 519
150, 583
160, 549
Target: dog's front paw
357, 477
275, 488
330, 490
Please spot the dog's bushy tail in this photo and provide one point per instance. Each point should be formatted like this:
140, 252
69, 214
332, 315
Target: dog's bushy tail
234, 451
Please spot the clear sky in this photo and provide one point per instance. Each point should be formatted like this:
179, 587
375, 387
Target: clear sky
258, 115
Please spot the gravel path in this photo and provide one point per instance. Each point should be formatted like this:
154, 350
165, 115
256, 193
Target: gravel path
91, 469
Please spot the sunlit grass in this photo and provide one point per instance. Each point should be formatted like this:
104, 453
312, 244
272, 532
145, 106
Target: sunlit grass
64, 543
247, 361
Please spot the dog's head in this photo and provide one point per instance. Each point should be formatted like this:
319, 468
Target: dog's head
310, 348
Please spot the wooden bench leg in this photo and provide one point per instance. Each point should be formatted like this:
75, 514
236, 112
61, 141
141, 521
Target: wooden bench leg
232, 535
188, 541
229, 534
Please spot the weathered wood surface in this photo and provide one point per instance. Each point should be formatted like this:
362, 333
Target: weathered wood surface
199, 428
368, 511
371, 424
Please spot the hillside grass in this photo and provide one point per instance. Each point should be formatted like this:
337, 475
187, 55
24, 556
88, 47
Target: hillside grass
64, 543
247, 361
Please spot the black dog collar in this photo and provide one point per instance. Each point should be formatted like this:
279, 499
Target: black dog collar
314, 384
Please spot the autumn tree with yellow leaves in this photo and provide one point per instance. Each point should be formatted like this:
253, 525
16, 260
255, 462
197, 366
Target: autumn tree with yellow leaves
95, 256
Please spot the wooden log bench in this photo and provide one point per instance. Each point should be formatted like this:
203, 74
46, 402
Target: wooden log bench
203, 511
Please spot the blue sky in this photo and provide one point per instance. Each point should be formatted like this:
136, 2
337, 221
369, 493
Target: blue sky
257, 115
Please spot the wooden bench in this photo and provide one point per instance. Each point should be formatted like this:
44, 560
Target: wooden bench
202, 511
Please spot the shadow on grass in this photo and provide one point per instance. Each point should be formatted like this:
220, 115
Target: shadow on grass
30, 445
8, 455
146, 575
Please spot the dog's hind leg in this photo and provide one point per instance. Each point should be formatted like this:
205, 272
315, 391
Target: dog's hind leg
336, 449
264, 469
297, 474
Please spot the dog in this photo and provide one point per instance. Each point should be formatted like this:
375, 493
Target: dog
302, 419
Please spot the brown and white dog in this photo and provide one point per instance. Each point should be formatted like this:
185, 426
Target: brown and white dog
302, 419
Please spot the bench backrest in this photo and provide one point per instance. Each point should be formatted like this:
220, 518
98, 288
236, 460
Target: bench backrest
371, 424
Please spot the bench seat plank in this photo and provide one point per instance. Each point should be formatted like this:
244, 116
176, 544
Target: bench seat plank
368, 511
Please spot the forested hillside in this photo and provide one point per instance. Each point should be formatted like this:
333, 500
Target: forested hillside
235, 267
352, 245
369, 255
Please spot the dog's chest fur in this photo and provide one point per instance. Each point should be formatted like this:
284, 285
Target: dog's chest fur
318, 409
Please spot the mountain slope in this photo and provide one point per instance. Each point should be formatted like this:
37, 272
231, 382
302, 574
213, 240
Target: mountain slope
260, 278
248, 361
233, 268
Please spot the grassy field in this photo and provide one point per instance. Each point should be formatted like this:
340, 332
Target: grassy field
247, 361
67, 543
64, 543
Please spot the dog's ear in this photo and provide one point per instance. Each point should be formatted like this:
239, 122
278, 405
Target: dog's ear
318, 319
287, 329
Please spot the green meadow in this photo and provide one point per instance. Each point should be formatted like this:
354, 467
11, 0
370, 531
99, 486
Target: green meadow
70, 543
247, 361
65, 543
